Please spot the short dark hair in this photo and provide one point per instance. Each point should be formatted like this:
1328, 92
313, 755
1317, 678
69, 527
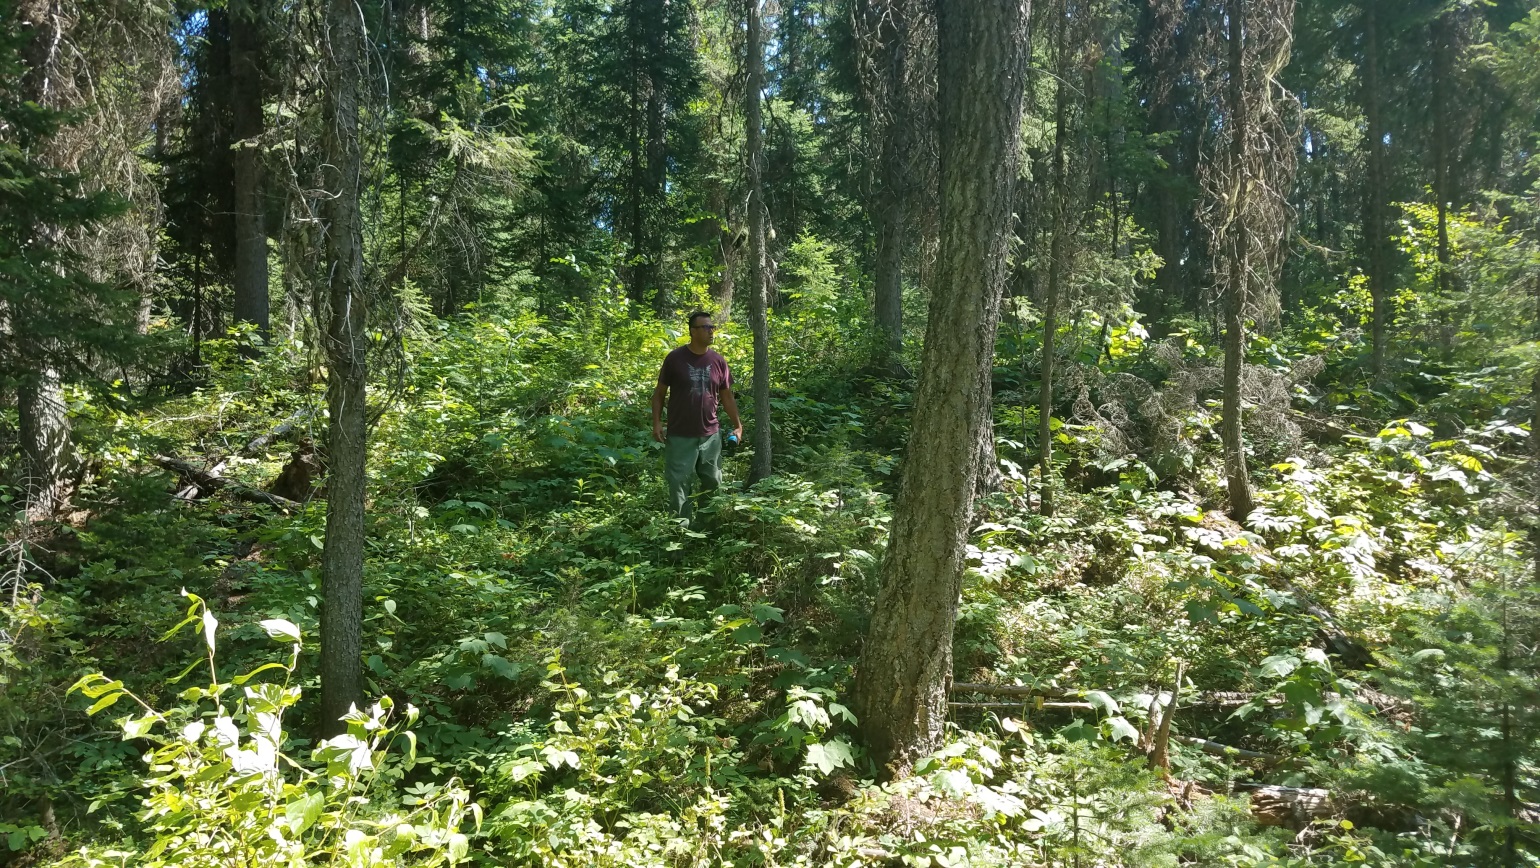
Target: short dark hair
695, 316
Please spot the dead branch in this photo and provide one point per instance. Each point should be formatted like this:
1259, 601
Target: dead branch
1217, 749
212, 482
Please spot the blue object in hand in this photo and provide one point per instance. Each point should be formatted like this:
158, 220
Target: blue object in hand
732, 439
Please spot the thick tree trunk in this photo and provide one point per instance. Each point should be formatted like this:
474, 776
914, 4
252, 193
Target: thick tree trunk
342, 557
759, 265
1236, 299
1374, 194
901, 688
892, 108
250, 279
1056, 252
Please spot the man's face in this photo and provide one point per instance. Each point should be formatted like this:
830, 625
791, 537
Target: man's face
702, 331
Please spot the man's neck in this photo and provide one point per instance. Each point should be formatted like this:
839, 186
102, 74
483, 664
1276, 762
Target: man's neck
698, 350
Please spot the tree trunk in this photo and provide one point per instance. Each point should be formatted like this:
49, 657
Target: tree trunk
759, 265
43, 426
342, 557
635, 275
657, 177
43, 430
893, 120
1374, 195
1534, 442
900, 691
250, 278
1056, 249
1441, 74
1237, 297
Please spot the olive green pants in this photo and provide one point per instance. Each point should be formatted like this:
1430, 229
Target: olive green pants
685, 458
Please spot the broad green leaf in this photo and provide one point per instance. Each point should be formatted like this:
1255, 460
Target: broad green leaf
1122, 729
829, 755
279, 628
303, 812
1102, 700
105, 702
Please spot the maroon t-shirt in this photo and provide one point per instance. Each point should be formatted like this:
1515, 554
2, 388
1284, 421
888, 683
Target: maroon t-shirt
693, 383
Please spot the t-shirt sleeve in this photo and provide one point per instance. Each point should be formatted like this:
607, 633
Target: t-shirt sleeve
727, 376
663, 373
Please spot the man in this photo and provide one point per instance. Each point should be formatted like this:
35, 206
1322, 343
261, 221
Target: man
694, 377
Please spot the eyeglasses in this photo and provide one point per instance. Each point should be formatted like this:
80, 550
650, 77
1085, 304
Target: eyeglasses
709, 328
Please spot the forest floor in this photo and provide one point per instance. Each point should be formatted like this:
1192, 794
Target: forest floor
612, 688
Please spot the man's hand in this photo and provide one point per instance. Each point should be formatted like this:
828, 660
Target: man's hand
657, 432
738, 431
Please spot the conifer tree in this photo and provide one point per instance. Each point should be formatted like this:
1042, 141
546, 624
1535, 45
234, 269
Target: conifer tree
906, 666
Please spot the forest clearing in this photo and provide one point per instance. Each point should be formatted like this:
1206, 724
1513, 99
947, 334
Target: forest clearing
1082, 433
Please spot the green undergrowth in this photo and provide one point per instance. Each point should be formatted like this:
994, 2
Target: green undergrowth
590, 683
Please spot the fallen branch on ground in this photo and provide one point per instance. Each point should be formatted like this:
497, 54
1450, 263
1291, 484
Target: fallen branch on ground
212, 482
1217, 749
1029, 705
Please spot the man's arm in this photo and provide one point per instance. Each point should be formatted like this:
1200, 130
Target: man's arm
657, 411
730, 404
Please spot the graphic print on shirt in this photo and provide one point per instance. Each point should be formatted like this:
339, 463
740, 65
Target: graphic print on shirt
700, 381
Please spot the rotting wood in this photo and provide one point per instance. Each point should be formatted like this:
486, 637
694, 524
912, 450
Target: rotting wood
253, 447
1217, 749
1380, 702
1012, 690
262, 441
1028, 705
212, 482
1292, 807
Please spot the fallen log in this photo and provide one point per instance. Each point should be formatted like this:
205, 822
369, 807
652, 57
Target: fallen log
262, 441
1217, 749
1380, 702
213, 482
1076, 706
1292, 807
253, 447
1011, 690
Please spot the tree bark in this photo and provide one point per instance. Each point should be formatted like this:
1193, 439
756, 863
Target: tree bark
250, 278
1236, 299
1374, 194
891, 108
342, 557
43, 426
1441, 51
759, 270
1056, 249
900, 691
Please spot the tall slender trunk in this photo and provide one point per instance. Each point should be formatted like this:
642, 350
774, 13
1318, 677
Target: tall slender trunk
1374, 193
906, 665
636, 95
342, 556
1056, 249
892, 108
657, 172
759, 265
250, 278
1441, 73
43, 426
1534, 441
1240, 267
